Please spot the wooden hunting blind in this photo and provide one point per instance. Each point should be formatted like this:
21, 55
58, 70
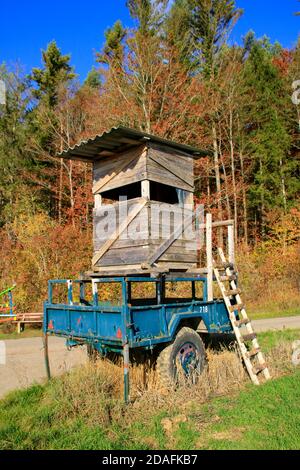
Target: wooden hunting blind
143, 187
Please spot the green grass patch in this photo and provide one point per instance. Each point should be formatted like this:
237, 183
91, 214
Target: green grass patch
289, 312
27, 333
265, 417
270, 339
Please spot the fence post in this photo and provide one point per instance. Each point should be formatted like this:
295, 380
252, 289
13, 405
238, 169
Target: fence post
209, 259
231, 251
95, 292
70, 292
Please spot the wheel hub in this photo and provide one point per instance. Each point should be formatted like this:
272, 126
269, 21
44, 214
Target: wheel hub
188, 358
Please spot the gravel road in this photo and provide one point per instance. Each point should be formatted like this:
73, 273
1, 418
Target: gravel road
25, 361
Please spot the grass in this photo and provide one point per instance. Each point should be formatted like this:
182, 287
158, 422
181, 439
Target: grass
287, 312
267, 417
83, 409
272, 339
27, 333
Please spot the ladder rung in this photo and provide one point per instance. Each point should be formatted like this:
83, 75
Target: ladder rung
237, 307
228, 278
228, 265
253, 352
249, 337
223, 268
258, 369
242, 322
233, 292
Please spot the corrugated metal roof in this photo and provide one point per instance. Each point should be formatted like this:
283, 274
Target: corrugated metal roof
119, 139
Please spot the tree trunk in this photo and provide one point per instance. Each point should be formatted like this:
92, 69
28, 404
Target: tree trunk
262, 200
60, 192
225, 180
72, 202
283, 186
244, 195
233, 173
218, 181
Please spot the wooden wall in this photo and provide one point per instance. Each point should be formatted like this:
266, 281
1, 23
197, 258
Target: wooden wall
119, 170
142, 237
170, 167
152, 162
159, 164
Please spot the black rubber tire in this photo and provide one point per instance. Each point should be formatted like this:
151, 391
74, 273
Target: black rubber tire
166, 366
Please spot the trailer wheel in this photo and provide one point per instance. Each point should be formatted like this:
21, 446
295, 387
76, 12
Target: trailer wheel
182, 361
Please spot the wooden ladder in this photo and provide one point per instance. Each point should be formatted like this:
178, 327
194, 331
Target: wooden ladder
253, 358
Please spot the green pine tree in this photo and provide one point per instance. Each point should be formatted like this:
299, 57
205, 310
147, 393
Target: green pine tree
93, 79
150, 14
56, 71
113, 49
178, 31
211, 22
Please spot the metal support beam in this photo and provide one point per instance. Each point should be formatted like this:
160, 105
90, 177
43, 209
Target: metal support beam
46, 356
126, 371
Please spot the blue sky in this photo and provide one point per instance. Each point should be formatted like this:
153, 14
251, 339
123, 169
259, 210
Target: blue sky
78, 27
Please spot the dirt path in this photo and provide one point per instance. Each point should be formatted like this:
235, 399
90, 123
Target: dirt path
25, 362
25, 358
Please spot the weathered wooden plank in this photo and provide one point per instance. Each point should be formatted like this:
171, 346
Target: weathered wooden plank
175, 265
145, 189
172, 164
116, 271
165, 245
183, 245
179, 257
134, 255
169, 150
106, 165
158, 174
120, 244
124, 179
114, 169
220, 223
230, 234
182, 162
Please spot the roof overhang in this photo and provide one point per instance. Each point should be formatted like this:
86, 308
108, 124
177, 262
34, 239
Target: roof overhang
120, 139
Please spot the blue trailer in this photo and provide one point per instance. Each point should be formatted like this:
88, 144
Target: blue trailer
168, 326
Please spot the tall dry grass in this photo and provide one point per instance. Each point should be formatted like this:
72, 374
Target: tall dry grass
94, 392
